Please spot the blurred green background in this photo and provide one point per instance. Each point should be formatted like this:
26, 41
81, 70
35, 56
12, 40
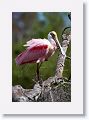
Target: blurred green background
28, 25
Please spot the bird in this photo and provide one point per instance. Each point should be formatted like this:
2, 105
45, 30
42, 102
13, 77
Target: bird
39, 50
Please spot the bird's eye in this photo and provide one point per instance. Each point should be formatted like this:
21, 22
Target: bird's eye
53, 36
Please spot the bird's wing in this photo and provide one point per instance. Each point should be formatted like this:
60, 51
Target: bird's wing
36, 51
36, 42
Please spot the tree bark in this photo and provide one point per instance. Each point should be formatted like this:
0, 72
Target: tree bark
61, 58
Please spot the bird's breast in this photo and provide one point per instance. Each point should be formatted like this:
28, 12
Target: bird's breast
51, 51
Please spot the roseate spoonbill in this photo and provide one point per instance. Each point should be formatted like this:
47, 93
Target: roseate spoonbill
39, 50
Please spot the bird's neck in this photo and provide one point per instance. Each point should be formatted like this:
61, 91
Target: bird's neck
53, 43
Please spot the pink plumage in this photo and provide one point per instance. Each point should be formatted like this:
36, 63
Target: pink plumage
38, 50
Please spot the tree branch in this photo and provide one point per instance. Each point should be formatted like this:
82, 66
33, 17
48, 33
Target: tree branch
61, 58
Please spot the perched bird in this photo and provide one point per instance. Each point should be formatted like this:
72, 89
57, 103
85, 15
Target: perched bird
39, 50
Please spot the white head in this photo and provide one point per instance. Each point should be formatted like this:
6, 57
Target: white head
53, 36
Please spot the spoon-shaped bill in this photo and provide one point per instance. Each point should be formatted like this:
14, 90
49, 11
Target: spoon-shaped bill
59, 46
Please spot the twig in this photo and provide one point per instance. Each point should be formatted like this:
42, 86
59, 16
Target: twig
68, 57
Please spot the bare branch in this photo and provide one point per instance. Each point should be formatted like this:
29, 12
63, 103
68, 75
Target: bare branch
61, 58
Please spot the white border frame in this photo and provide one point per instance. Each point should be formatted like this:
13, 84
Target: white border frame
6, 104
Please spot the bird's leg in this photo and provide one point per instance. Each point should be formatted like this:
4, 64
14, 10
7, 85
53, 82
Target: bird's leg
38, 74
40, 65
38, 77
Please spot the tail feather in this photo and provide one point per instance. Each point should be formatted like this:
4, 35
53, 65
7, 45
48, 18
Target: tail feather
19, 58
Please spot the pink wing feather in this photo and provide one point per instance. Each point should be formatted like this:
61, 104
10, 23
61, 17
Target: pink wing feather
36, 51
